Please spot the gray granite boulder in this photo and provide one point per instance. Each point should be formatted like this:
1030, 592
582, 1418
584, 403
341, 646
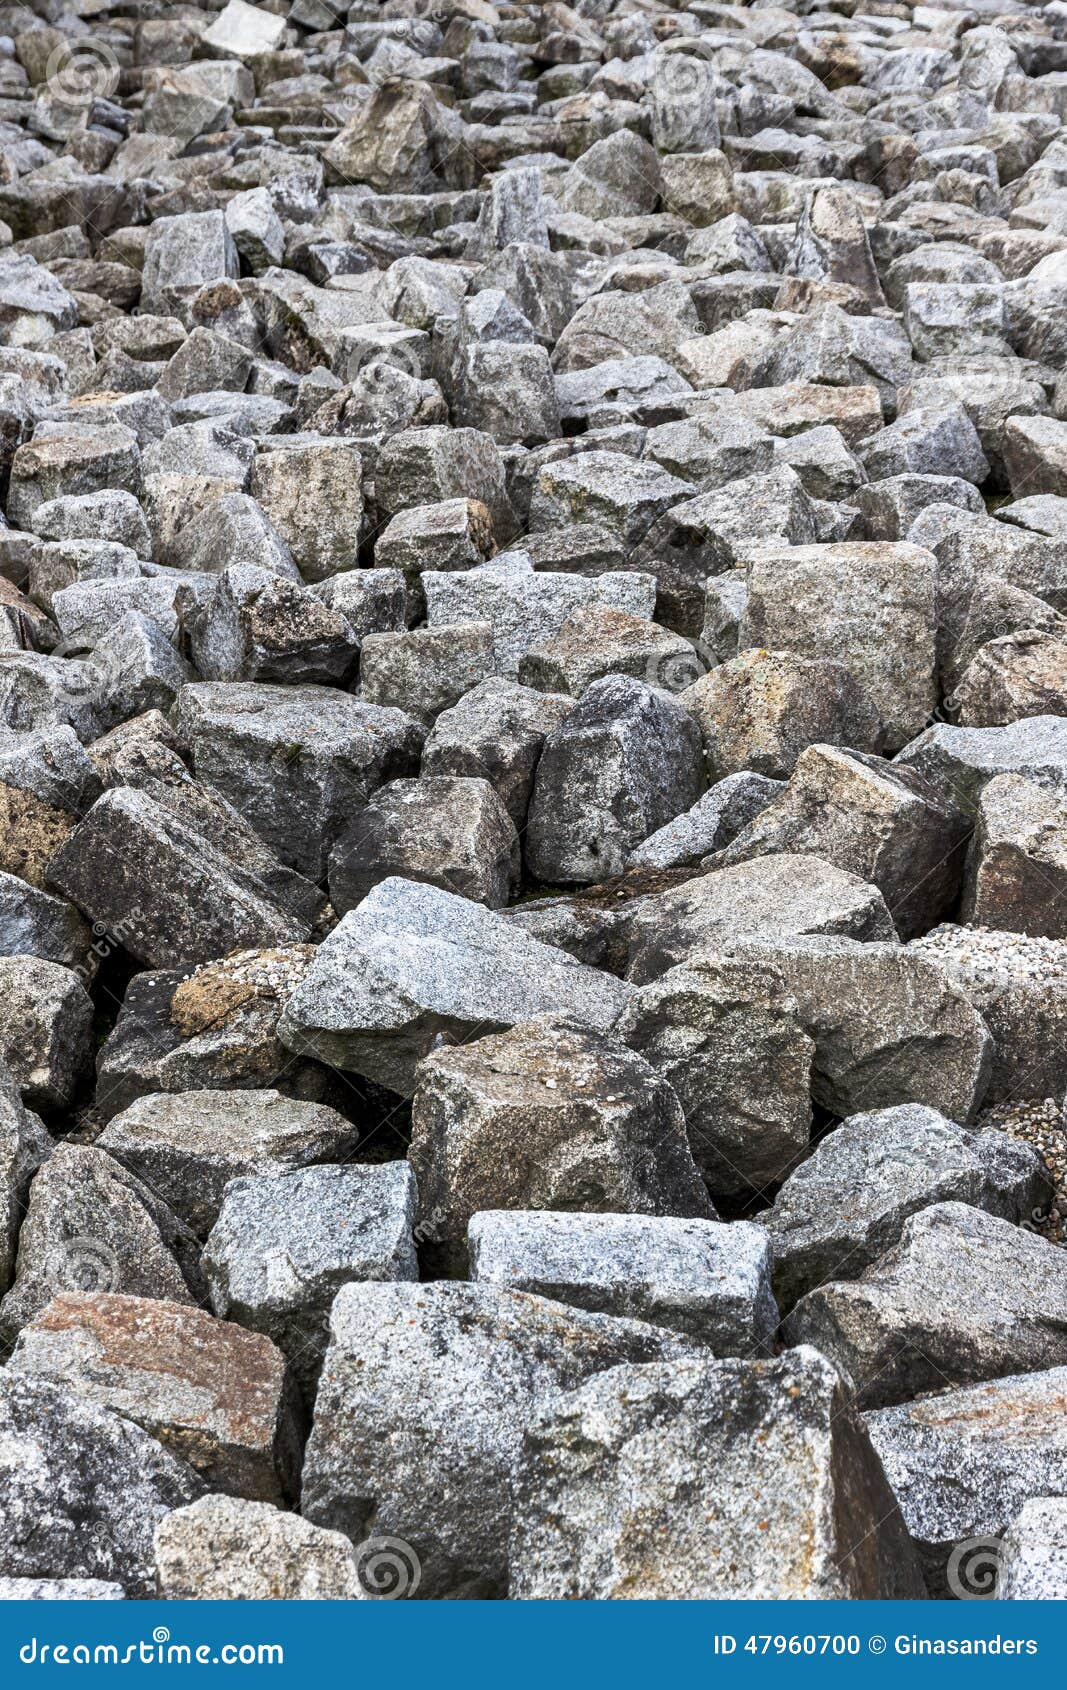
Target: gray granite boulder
704, 1279
415, 962
706, 1479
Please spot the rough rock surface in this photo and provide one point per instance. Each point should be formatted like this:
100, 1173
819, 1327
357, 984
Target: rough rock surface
963, 1296
223, 1549
214, 1395
962, 1464
420, 1413
83, 1489
704, 1479
533, 667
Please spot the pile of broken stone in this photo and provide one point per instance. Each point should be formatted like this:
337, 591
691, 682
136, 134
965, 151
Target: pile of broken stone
533, 798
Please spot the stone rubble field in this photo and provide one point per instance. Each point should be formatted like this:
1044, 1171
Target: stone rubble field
533, 799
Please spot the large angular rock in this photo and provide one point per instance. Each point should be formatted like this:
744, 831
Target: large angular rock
214, 1395
716, 818
188, 1147
728, 1038
1023, 673
549, 1115
783, 895
762, 1484
222, 1549
312, 493
496, 733
1016, 876
182, 254
708, 1281
625, 762
868, 605
621, 493
259, 626
874, 818
70, 458
963, 1463
83, 1489
959, 761
295, 761
525, 608
889, 1025
420, 1414
415, 962
963, 1296
134, 868
46, 1018
92, 1226
847, 1203
448, 832
761, 709
425, 671
282, 1247
1019, 987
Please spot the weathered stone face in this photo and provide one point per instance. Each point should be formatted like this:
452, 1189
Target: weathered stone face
424, 1396
761, 1483
963, 1296
214, 1395
550, 1115
67, 1462
533, 717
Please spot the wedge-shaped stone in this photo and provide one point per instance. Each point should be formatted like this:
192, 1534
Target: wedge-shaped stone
847, 1203
213, 1394
697, 1479
698, 1277
963, 1296
963, 1463
548, 1115
871, 817
783, 895
81, 1490
413, 962
91, 1225
419, 1416
134, 868
188, 1147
